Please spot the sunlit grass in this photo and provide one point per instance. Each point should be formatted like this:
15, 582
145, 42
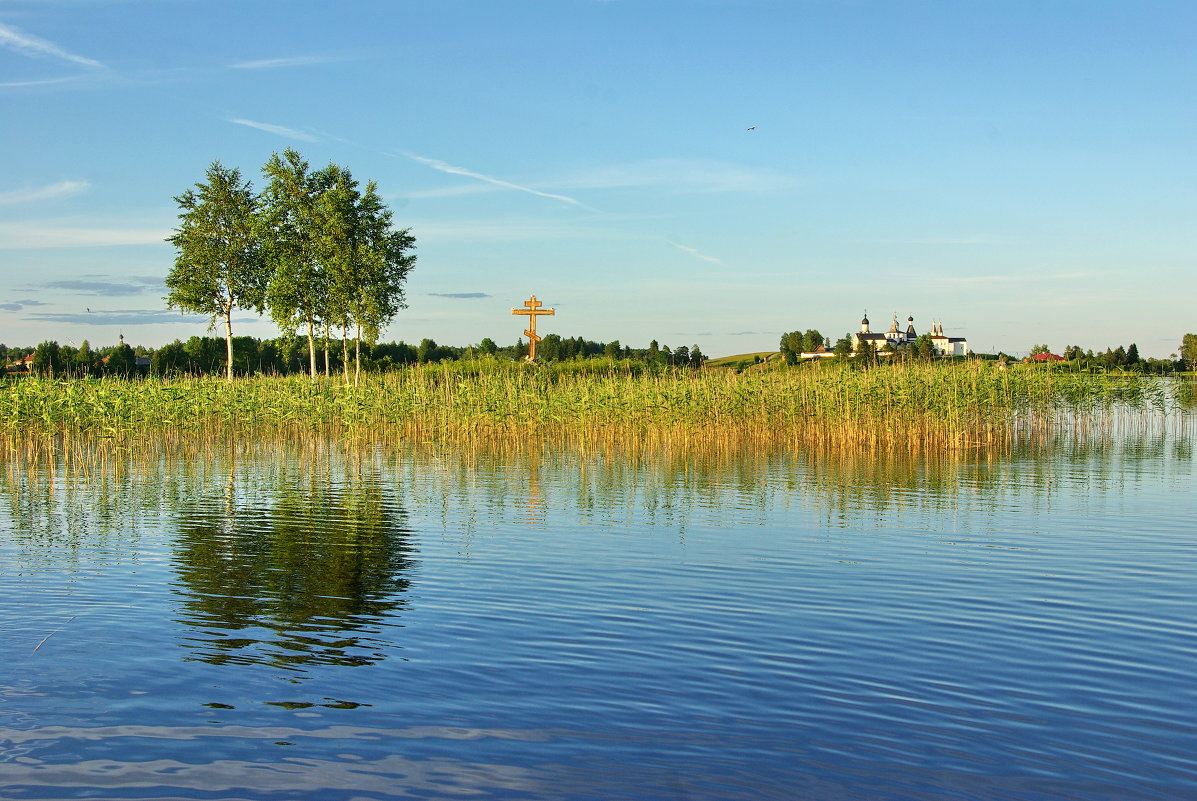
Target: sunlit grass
912, 407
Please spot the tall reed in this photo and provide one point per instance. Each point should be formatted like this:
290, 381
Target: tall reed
917, 406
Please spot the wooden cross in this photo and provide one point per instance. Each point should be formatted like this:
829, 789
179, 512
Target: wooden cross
532, 310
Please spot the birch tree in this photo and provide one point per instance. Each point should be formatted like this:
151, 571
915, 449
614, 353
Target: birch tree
385, 258
365, 260
219, 266
339, 251
297, 289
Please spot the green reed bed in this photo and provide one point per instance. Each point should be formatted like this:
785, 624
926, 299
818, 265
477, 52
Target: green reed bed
918, 405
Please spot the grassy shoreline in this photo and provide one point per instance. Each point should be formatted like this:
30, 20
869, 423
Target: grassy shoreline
951, 405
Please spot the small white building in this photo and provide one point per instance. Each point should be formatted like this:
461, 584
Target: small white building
945, 345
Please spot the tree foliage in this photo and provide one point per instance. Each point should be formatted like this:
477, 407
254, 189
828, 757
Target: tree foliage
791, 346
219, 266
296, 290
314, 249
1188, 350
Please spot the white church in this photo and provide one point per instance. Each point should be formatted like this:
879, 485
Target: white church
886, 343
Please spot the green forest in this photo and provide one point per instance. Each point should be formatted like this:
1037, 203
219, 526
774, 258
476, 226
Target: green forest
288, 355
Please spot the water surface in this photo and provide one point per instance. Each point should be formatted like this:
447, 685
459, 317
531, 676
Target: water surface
299, 622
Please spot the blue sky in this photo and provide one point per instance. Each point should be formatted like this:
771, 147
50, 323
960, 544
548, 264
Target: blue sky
1023, 172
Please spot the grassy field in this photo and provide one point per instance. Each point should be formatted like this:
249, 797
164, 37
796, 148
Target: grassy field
742, 361
913, 407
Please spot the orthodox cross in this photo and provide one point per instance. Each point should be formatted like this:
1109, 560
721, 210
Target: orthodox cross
532, 310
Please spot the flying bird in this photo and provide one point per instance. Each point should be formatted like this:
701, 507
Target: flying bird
752, 128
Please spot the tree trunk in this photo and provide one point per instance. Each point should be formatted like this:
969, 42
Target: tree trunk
312, 346
327, 365
228, 340
345, 352
357, 357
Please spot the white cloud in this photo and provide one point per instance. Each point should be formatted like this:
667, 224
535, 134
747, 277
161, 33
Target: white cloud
452, 191
501, 231
290, 133
276, 63
46, 82
28, 43
686, 175
691, 175
944, 240
694, 253
1021, 278
441, 166
69, 233
60, 189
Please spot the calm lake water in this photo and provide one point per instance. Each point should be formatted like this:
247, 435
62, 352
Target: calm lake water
322, 623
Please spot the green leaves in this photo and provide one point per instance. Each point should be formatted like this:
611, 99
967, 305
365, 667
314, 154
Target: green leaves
336, 260
313, 249
219, 266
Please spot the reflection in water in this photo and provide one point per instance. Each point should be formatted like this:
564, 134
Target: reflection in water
294, 554
291, 532
711, 623
747, 485
303, 575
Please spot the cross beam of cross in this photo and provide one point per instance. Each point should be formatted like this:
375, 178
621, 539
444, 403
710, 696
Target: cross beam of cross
532, 310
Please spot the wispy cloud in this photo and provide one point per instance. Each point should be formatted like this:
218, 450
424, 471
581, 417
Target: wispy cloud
679, 175
18, 305
44, 82
1009, 278
944, 240
442, 166
290, 133
690, 175
452, 191
112, 317
16, 39
506, 230
459, 295
48, 192
98, 286
693, 252
277, 63
74, 233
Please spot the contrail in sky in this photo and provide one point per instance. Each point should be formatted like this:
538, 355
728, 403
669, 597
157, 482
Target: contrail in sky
45, 82
277, 129
445, 167
437, 164
694, 252
28, 43
274, 63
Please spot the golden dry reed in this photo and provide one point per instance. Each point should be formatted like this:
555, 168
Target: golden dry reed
915, 408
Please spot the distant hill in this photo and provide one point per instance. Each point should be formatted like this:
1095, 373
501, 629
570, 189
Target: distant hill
744, 361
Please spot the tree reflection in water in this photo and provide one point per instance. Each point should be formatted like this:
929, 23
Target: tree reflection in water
303, 574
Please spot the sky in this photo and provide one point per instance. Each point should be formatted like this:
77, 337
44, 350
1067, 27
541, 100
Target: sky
710, 172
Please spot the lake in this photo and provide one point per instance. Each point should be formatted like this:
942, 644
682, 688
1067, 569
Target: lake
319, 621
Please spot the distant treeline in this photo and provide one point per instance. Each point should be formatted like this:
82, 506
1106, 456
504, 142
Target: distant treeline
199, 356
1123, 358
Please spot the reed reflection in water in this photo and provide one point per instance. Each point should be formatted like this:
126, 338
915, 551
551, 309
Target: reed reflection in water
595, 620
